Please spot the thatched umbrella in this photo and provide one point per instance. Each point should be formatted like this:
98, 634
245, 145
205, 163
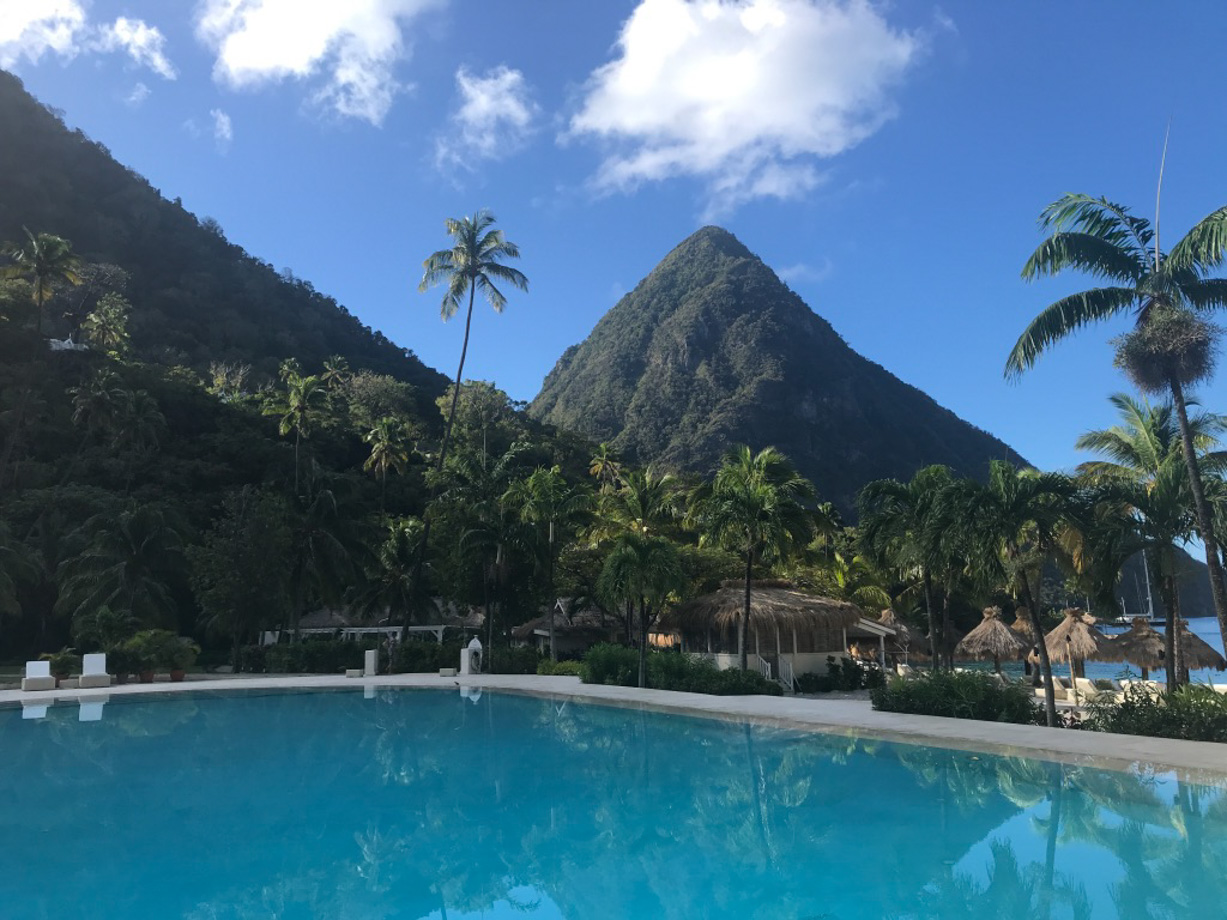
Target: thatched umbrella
991, 639
1141, 645
1075, 640
1022, 625
774, 605
903, 635
1198, 653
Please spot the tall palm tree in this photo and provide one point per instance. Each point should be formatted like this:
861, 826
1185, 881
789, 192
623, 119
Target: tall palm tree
644, 500
1007, 527
300, 410
387, 589
473, 264
642, 569
605, 467
547, 500
45, 259
1103, 239
897, 530
389, 442
107, 325
756, 507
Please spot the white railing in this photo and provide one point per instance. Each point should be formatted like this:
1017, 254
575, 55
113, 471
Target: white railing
764, 666
786, 675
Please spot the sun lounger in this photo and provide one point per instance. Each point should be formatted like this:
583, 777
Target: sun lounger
94, 672
38, 676
1086, 689
1058, 691
1219, 688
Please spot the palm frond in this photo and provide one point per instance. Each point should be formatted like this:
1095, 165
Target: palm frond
1203, 247
1059, 319
1094, 255
1102, 218
1210, 294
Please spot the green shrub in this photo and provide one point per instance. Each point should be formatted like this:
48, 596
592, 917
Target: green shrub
959, 695
1192, 713
316, 656
842, 674
420, 656
619, 666
64, 662
507, 660
252, 659
560, 668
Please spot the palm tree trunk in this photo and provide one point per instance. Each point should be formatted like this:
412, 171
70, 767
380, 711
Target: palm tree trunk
743, 627
643, 643
1205, 521
297, 441
927, 578
551, 600
1169, 615
1050, 693
947, 645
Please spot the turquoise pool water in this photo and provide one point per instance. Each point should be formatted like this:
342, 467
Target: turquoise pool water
422, 804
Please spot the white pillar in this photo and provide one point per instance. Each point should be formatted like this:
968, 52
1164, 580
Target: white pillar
882, 651
370, 663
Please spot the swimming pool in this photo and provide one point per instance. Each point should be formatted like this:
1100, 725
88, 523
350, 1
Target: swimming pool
417, 804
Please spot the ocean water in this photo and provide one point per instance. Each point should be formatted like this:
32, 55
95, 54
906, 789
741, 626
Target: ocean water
424, 804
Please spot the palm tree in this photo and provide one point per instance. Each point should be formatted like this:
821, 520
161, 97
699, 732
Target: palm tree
754, 507
107, 326
547, 500
126, 565
1103, 239
473, 264
1007, 527
300, 410
389, 584
45, 260
897, 530
1144, 460
641, 569
605, 467
389, 443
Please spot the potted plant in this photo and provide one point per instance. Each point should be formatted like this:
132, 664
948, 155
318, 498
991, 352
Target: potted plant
123, 660
144, 659
181, 655
63, 663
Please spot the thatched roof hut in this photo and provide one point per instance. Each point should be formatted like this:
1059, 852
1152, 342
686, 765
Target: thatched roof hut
1141, 645
1198, 653
773, 604
1074, 639
991, 639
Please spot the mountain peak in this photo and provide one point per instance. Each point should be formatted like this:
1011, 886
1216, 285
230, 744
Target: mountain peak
712, 349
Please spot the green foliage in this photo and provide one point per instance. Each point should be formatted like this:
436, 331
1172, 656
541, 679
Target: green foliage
107, 326
959, 695
103, 629
162, 648
560, 668
316, 656
618, 665
420, 656
64, 662
842, 674
511, 660
1192, 713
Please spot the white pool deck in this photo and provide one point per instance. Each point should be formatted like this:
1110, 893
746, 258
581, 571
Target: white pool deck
1191, 760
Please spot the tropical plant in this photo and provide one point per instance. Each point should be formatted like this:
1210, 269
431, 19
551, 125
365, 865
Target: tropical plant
643, 570
301, 409
45, 260
387, 589
605, 467
1007, 527
1103, 239
389, 443
756, 507
106, 327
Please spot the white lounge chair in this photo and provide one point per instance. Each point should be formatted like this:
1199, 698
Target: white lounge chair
1219, 688
94, 672
38, 676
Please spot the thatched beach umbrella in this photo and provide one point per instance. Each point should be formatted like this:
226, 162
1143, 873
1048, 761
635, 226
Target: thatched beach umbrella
1198, 653
903, 635
774, 606
1022, 625
991, 639
1141, 645
1075, 640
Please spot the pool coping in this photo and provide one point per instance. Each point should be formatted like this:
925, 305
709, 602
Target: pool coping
1193, 761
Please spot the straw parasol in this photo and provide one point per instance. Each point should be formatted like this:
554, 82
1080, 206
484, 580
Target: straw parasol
991, 639
772, 604
1075, 640
1198, 653
1141, 645
903, 635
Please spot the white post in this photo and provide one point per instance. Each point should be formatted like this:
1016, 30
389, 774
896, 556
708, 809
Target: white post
882, 651
370, 663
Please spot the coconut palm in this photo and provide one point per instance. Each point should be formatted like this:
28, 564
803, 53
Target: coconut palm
389, 584
300, 409
1008, 526
754, 507
605, 467
106, 327
643, 501
45, 260
1103, 239
897, 529
473, 264
389, 442
546, 500
642, 569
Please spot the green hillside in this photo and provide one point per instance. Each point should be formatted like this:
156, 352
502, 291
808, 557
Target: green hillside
711, 348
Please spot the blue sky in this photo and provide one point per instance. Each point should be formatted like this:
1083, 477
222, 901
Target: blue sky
888, 160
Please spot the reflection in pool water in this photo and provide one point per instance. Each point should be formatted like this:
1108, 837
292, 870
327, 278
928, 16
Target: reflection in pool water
423, 804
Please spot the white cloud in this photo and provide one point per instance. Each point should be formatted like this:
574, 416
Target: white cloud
495, 118
223, 129
32, 28
746, 95
144, 43
349, 48
139, 94
803, 272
